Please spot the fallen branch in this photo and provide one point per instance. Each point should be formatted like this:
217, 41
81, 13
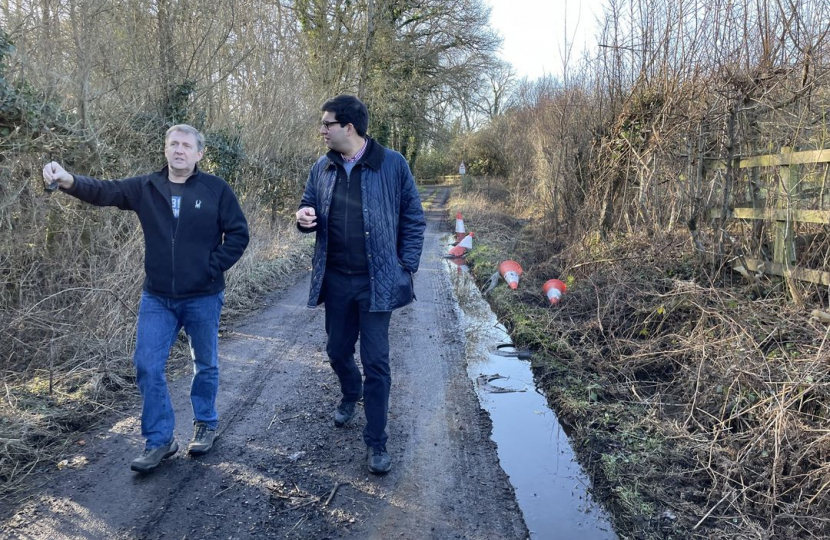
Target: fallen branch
296, 525
707, 514
331, 495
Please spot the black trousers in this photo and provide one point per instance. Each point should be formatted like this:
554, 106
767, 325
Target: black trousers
346, 301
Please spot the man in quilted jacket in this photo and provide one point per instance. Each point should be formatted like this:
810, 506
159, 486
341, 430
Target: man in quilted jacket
361, 200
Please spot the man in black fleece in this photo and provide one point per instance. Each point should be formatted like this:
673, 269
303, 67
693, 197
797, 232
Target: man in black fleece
194, 231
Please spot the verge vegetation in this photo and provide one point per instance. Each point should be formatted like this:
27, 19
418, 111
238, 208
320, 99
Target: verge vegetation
699, 409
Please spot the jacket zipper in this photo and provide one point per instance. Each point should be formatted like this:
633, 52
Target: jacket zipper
173, 239
346, 218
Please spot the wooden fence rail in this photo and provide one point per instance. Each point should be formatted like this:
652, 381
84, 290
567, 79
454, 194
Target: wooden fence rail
784, 215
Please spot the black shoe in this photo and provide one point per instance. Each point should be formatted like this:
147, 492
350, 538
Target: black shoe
202, 440
344, 412
379, 460
151, 458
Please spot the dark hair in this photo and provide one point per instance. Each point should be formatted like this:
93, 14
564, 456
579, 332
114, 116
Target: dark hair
348, 110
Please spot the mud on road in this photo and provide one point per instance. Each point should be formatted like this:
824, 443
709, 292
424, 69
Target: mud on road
280, 468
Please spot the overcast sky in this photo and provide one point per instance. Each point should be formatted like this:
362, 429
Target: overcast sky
534, 32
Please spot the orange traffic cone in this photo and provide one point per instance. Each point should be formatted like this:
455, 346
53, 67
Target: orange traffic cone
460, 265
460, 232
463, 246
510, 271
554, 289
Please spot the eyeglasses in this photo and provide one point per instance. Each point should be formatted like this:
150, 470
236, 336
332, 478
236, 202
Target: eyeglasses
327, 125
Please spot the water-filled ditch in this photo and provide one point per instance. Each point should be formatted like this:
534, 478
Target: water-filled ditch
534, 451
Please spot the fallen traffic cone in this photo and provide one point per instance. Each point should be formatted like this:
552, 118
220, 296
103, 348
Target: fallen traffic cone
510, 271
460, 232
463, 246
460, 265
554, 289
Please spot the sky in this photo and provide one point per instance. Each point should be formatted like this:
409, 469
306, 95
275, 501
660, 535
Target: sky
533, 32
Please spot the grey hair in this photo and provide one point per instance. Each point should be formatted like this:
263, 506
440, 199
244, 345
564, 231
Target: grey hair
184, 128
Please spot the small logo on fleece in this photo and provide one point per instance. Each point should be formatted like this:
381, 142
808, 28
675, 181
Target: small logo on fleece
198, 203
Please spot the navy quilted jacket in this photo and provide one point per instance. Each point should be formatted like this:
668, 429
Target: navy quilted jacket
393, 222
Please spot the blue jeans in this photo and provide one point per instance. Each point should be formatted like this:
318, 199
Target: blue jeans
159, 322
347, 299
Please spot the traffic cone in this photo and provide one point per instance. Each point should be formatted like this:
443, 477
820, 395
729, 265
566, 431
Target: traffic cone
463, 246
554, 289
460, 265
460, 232
510, 271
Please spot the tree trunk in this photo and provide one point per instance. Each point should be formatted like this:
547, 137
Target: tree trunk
367, 50
166, 57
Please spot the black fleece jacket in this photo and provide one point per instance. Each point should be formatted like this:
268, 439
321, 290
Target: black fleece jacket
186, 257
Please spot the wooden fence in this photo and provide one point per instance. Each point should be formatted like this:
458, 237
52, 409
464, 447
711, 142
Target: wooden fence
784, 215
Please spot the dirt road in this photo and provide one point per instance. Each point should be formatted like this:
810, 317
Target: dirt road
280, 469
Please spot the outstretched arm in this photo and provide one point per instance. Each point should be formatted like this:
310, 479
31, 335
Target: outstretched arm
123, 194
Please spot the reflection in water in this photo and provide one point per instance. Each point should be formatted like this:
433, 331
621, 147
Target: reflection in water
534, 451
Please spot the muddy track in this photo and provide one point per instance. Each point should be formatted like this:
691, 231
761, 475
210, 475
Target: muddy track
280, 469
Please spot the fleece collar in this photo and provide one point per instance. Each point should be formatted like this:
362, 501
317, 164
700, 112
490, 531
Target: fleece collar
159, 178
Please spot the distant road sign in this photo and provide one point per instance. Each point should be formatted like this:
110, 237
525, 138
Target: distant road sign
462, 169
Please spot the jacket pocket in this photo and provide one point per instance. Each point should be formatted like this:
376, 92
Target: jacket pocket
404, 290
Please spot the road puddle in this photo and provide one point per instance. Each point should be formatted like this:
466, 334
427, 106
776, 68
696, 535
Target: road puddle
551, 488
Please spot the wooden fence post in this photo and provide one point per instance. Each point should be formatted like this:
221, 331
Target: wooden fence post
784, 252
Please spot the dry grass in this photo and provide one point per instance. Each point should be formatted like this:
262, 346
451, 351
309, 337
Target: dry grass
702, 409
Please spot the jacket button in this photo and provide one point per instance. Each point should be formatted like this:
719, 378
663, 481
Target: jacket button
367, 233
